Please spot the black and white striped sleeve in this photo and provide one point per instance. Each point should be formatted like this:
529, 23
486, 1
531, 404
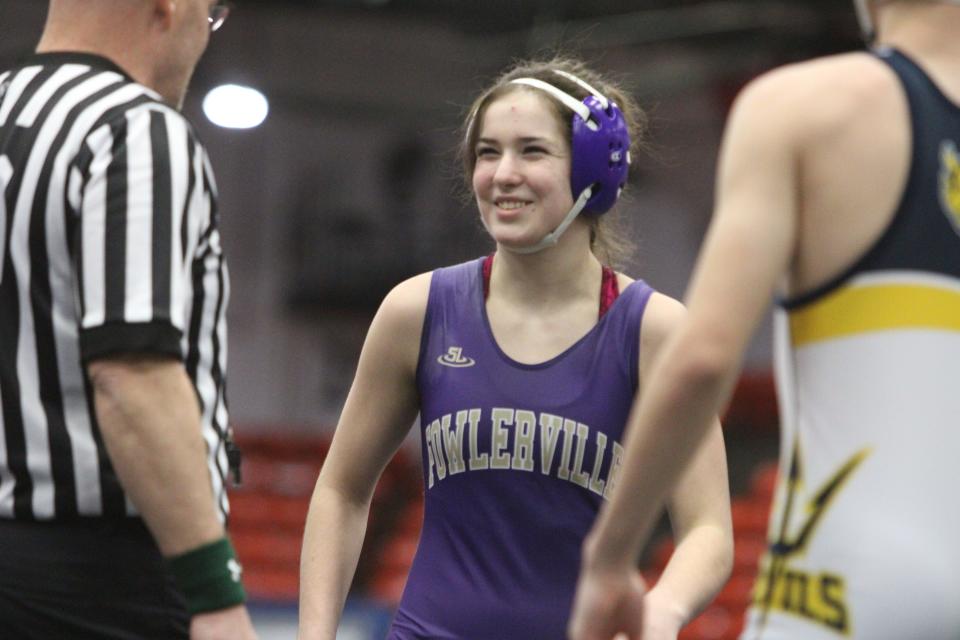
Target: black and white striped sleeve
141, 203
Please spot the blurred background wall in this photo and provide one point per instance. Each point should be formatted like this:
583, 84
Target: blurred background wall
351, 183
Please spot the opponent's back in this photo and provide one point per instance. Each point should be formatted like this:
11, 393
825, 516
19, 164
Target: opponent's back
868, 355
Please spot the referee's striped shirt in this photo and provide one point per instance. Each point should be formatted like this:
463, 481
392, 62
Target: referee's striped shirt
108, 244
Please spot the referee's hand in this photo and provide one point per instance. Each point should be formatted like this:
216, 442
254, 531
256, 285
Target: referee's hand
225, 624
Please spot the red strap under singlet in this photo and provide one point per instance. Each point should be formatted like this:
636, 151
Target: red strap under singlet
609, 287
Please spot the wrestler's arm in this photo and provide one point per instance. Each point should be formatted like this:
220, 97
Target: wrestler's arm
747, 250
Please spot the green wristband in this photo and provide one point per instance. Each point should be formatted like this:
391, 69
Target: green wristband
209, 576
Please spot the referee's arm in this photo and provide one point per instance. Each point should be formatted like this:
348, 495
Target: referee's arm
150, 420
147, 260
142, 196
147, 255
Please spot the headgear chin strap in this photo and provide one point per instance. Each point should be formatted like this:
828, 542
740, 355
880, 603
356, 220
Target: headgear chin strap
600, 153
551, 238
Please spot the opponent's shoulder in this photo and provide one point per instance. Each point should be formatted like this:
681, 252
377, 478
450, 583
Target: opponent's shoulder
818, 93
844, 73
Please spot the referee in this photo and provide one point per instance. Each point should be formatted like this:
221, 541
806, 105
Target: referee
114, 439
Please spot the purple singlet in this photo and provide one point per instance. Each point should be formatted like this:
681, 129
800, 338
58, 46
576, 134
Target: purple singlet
517, 459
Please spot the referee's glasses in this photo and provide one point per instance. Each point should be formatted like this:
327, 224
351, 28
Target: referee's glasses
218, 14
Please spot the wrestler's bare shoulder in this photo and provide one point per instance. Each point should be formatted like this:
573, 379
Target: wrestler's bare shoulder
822, 93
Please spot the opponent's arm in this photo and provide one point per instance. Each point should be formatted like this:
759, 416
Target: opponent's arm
379, 410
703, 556
699, 509
749, 246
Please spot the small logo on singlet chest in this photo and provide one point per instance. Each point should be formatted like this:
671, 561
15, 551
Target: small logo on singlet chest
454, 358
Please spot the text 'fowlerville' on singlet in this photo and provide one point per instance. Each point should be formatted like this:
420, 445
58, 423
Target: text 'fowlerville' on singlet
865, 533
517, 459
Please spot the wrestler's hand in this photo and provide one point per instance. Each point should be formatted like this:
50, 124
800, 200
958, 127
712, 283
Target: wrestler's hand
225, 624
662, 618
608, 605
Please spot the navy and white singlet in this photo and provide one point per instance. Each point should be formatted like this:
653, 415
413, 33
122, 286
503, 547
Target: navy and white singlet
865, 533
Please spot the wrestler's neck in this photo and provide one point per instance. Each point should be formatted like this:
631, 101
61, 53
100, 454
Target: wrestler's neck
926, 28
927, 32
567, 270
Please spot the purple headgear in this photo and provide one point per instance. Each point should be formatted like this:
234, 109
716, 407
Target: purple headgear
601, 157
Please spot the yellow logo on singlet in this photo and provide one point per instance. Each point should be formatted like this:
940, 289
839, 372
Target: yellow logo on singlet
950, 181
819, 597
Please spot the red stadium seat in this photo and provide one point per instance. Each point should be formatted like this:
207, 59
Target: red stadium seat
661, 554
716, 623
274, 549
397, 554
747, 552
735, 595
411, 520
269, 511
261, 510
271, 584
387, 587
750, 516
763, 482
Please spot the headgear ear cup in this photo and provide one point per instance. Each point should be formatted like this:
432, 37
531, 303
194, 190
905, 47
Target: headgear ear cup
601, 157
